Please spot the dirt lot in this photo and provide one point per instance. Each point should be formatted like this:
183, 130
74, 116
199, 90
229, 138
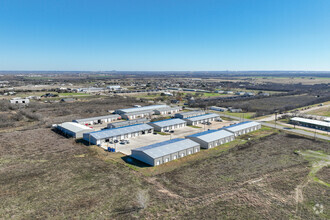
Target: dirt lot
44, 175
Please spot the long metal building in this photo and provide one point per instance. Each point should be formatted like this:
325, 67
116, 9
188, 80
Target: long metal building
166, 151
98, 120
311, 123
189, 114
72, 129
138, 109
128, 122
168, 124
137, 114
243, 127
167, 110
104, 136
212, 138
201, 119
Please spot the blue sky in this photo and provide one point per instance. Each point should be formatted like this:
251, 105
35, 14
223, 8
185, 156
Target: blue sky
164, 35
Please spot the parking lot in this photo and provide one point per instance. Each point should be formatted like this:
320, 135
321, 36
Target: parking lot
149, 139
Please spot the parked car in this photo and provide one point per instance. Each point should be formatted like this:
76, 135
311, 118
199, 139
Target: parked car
115, 141
155, 132
167, 130
172, 131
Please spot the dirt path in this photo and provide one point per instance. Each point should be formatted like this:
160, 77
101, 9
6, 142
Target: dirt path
320, 160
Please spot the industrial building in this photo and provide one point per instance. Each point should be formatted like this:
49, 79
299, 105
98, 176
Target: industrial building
167, 110
202, 119
311, 123
243, 127
212, 138
19, 100
128, 122
72, 129
189, 114
104, 136
139, 109
219, 109
98, 120
137, 114
168, 124
166, 151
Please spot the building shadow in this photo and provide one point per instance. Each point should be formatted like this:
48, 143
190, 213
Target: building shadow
134, 162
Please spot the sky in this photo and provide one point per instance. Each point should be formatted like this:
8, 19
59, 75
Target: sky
164, 35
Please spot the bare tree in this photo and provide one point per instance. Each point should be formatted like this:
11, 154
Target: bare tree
142, 198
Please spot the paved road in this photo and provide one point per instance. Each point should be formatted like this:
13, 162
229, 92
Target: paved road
310, 134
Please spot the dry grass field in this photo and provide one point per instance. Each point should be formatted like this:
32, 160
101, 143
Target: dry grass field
46, 176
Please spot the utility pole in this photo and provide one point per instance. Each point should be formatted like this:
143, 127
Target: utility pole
275, 118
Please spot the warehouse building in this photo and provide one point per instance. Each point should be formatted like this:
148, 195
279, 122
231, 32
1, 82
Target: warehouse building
104, 136
126, 123
19, 101
167, 110
212, 138
311, 123
202, 119
189, 114
243, 127
168, 124
98, 120
71, 129
166, 151
139, 109
137, 115
219, 109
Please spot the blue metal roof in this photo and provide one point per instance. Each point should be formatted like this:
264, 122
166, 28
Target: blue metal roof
212, 135
168, 122
166, 147
202, 133
202, 117
107, 133
241, 126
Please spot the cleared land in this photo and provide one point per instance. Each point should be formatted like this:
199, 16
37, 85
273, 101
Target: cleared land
44, 175
321, 112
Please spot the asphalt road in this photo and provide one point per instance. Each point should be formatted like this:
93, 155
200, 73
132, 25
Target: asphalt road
302, 132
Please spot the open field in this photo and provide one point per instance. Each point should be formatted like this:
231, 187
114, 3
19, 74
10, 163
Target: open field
321, 112
44, 175
269, 105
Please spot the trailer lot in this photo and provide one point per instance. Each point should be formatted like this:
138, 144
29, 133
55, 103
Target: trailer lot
152, 138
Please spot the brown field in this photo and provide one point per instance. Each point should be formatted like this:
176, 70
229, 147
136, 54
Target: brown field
321, 112
44, 175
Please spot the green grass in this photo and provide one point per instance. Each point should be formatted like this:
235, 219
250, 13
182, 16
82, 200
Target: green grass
193, 126
247, 115
162, 133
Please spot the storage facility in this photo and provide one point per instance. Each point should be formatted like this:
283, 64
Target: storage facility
139, 109
138, 114
212, 138
72, 129
219, 109
166, 151
243, 127
128, 122
189, 114
98, 120
168, 124
202, 119
103, 136
19, 100
167, 110
311, 123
